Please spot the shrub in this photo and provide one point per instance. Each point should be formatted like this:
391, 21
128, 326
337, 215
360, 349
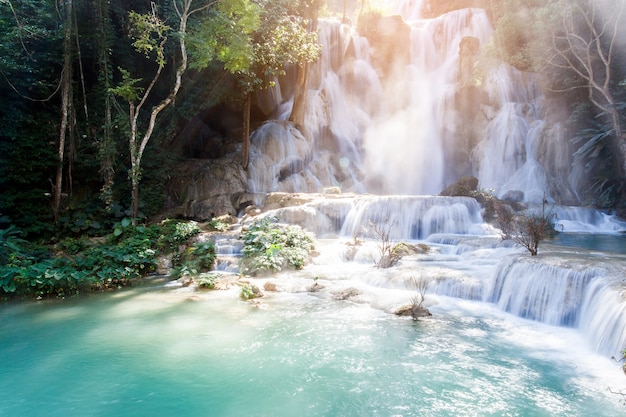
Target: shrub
387, 257
195, 259
249, 291
208, 280
528, 230
271, 247
128, 253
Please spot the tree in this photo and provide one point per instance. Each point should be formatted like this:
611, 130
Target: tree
309, 9
66, 104
150, 34
583, 42
261, 41
528, 230
30, 47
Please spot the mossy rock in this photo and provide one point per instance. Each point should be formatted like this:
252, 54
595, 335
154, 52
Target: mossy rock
402, 249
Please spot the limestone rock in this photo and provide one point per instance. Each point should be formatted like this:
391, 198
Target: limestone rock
514, 196
272, 287
202, 189
413, 310
348, 293
463, 187
315, 287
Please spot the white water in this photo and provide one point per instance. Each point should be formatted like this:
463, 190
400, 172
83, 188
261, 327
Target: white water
367, 134
399, 134
562, 287
394, 136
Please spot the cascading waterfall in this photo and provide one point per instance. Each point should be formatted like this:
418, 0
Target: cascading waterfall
400, 134
558, 288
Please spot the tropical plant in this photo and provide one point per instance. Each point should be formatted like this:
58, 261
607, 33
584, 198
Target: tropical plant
269, 246
128, 253
255, 47
195, 259
249, 291
208, 280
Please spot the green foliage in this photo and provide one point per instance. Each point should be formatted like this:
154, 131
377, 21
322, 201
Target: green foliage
208, 280
128, 253
149, 33
224, 34
177, 232
248, 292
253, 42
71, 246
195, 259
271, 247
127, 88
218, 225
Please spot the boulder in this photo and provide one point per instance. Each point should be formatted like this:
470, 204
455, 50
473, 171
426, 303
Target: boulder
315, 287
514, 196
413, 310
271, 287
348, 293
402, 249
463, 187
202, 189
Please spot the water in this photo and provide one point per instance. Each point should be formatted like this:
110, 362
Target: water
162, 351
615, 243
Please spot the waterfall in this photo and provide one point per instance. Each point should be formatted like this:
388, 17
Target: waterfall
413, 130
555, 291
403, 217
402, 128
582, 219
574, 295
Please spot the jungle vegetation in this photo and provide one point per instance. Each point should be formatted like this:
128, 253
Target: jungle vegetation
96, 94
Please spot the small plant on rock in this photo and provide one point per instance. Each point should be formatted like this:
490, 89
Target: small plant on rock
387, 256
197, 258
420, 286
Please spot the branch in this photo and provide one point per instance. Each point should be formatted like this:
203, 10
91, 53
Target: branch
34, 99
20, 27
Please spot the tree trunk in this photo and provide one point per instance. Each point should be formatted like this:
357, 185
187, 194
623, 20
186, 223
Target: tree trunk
106, 144
299, 99
245, 151
302, 79
66, 90
183, 10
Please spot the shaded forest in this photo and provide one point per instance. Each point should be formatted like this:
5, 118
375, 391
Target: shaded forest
102, 97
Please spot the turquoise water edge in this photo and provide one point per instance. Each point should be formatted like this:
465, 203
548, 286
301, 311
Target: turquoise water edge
159, 351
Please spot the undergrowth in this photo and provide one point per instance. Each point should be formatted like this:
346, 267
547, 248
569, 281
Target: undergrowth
72, 265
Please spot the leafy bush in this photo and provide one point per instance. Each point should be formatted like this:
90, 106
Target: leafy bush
128, 253
249, 292
178, 232
195, 259
218, 225
208, 280
272, 247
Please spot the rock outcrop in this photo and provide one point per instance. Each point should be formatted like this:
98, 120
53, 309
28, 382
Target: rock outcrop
201, 189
